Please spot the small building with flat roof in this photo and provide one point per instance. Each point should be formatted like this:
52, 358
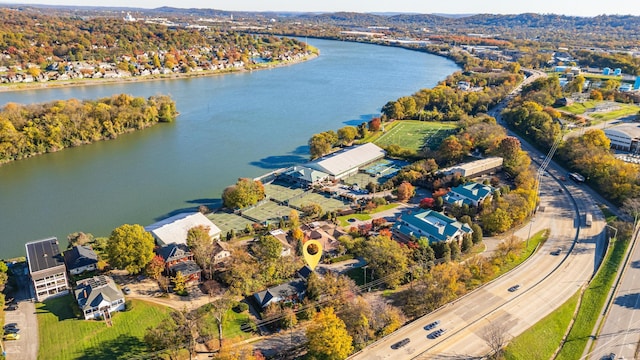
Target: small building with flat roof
175, 228
46, 268
474, 168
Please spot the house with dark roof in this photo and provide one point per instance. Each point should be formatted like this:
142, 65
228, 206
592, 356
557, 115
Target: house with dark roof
434, 226
98, 297
471, 193
178, 258
46, 268
292, 291
80, 259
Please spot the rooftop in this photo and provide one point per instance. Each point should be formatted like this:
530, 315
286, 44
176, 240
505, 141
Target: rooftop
344, 160
630, 129
43, 254
174, 229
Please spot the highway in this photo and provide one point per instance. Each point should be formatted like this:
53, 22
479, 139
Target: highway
546, 281
620, 332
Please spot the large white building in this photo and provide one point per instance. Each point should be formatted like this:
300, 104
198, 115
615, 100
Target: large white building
625, 137
46, 268
174, 229
337, 165
474, 168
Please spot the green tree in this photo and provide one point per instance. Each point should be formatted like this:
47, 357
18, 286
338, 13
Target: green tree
386, 258
322, 143
244, 193
476, 236
497, 221
130, 247
267, 248
201, 245
328, 337
347, 134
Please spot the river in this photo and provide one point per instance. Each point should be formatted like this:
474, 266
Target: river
233, 125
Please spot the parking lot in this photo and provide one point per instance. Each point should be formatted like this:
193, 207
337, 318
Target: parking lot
24, 318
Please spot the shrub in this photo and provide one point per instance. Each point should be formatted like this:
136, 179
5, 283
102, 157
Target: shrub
241, 307
128, 305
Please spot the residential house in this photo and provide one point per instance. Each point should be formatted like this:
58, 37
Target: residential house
178, 258
293, 291
434, 226
98, 297
46, 268
220, 252
80, 259
282, 237
175, 228
471, 193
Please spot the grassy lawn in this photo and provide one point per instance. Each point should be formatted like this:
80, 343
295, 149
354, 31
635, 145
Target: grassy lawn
581, 108
545, 335
414, 135
230, 326
64, 336
383, 208
374, 136
344, 219
592, 302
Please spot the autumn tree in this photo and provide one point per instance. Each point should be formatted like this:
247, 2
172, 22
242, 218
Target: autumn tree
347, 134
405, 191
497, 221
322, 143
180, 283
375, 124
130, 247
172, 334
244, 193
267, 248
200, 244
155, 268
79, 239
387, 259
327, 336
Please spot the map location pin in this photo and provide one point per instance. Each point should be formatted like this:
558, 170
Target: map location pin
312, 252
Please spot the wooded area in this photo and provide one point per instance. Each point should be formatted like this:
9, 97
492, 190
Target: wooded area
28, 130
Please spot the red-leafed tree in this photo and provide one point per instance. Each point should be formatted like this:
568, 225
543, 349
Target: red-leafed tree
375, 124
427, 203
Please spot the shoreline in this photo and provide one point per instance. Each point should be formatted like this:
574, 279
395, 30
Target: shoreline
173, 76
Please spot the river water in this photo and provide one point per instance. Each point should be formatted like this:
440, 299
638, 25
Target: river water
230, 126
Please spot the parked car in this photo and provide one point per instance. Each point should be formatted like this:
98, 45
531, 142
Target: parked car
11, 330
12, 307
126, 290
400, 343
514, 288
432, 325
11, 337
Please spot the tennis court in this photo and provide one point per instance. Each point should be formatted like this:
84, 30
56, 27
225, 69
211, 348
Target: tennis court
268, 211
226, 221
327, 203
281, 191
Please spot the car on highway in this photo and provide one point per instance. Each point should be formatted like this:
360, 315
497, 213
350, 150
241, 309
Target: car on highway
432, 325
436, 334
611, 356
514, 288
11, 337
400, 343
556, 252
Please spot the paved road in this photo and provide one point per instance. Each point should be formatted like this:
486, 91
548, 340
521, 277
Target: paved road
26, 348
546, 281
620, 332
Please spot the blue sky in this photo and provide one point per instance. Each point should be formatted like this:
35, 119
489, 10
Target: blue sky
571, 7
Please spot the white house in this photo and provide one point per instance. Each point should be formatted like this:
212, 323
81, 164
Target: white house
98, 297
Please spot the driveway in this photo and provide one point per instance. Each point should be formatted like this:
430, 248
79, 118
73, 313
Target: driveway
25, 348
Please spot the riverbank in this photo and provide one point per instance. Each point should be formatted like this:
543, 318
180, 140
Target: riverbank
160, 77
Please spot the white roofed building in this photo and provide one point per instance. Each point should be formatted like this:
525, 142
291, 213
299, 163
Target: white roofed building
348, 161
625, 137
174, 229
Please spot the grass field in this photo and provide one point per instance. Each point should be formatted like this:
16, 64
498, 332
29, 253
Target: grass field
63, 336
414, 135
230, 325
617, 109
545, 334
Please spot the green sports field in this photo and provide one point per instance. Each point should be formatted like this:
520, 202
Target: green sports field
415, 135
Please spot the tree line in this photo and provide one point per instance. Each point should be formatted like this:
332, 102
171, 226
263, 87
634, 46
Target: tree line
28, 130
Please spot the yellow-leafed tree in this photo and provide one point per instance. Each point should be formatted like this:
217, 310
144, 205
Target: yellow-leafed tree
328, 337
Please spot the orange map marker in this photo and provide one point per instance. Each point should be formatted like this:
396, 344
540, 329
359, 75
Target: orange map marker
312, 252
